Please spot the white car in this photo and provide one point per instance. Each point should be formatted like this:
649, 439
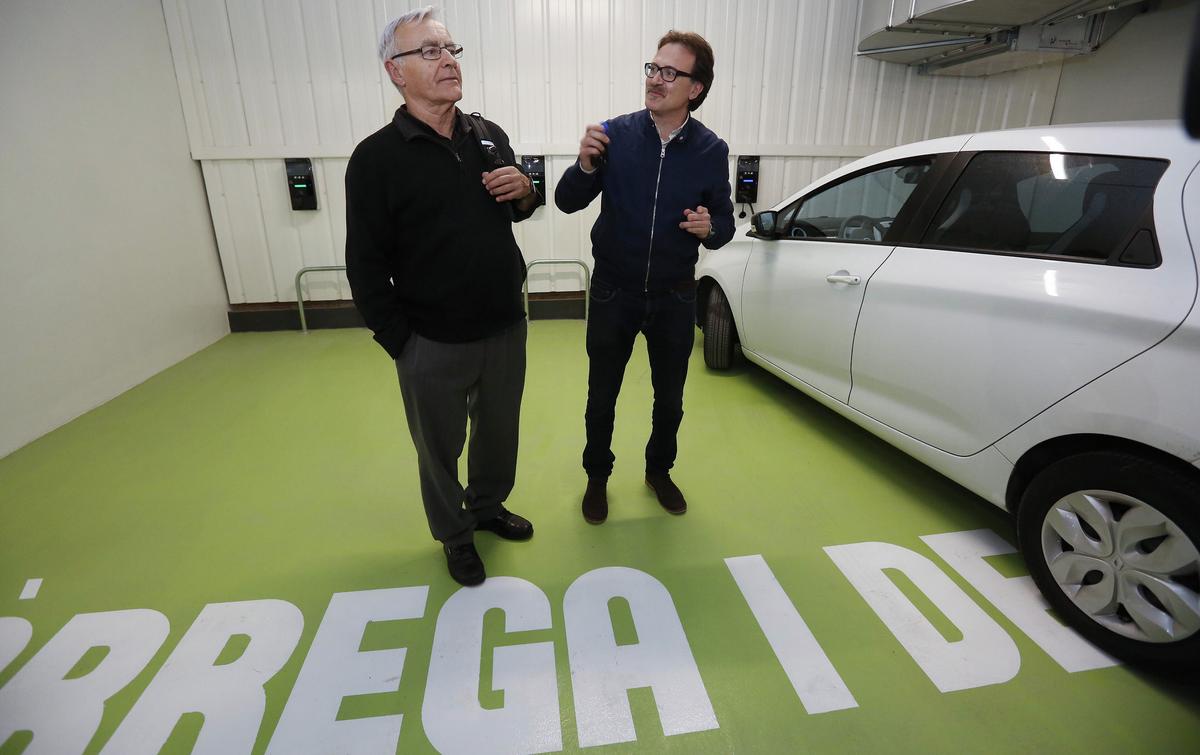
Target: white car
1015, 309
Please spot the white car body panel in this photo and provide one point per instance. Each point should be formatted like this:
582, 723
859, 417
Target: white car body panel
790, 310
958, 349
1134, 401
727, 265
1130, 402
968, 360
1155, 139
985, 473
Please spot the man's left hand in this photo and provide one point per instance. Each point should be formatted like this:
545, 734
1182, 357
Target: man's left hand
698, 223
507, 184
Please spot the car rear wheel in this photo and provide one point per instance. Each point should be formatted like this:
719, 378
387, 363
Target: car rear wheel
1111, 539
720, 334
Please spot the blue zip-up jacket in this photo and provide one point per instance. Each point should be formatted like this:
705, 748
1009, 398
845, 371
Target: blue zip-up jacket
637, 242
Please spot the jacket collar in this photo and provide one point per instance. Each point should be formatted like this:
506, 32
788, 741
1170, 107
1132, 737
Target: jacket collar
411, 128
680, 136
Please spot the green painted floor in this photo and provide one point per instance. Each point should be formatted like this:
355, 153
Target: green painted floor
278, 466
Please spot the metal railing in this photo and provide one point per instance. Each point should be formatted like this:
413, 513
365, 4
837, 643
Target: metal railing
300, 294
587, 281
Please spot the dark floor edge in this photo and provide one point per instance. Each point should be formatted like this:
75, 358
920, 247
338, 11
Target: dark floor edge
254, 318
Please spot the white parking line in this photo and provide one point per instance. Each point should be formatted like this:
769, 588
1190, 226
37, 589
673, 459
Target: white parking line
31, 589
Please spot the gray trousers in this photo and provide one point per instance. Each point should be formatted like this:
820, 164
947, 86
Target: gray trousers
444, 385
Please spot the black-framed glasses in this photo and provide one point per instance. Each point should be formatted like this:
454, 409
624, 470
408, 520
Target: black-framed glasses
668, 73
432, 52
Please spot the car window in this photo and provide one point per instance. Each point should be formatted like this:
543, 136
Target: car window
860, 208
1089, 207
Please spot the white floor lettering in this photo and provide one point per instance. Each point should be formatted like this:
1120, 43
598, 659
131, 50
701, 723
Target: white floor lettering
230, 696
454, 720
335, 668
602, 671
63, 714
985, 655
1016, 597
813, 676
15, 634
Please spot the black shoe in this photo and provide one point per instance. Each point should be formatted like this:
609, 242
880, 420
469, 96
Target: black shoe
507, 525
670, 497
464, 563
595, 502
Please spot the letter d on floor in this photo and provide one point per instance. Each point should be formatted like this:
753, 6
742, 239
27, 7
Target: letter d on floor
985, 654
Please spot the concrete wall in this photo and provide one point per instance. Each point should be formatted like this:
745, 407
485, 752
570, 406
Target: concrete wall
108, 264
1136, 75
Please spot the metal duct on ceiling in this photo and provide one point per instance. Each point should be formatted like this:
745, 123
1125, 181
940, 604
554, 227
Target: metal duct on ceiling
982, 37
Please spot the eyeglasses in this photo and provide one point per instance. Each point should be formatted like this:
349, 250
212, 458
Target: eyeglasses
668, 73
432, 52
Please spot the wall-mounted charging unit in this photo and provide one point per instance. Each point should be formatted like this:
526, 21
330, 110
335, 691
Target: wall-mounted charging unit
535, 168
301, 185
746, 191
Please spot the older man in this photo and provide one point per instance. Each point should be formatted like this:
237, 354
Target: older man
665, 184
436, 273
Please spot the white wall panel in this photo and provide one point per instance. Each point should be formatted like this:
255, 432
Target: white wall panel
284, 250
720, 29
322, 42
289, 61
531, 61
218, 74
778, 63
806, 84
366, 81
498, 97
266, 79
594, 38
252, 52
239, 189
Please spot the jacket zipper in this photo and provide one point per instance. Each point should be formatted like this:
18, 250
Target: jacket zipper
654, 216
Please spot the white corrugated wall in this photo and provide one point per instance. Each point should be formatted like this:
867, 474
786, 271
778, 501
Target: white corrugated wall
262, 80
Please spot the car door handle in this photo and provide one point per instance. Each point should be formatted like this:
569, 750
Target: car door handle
841, 276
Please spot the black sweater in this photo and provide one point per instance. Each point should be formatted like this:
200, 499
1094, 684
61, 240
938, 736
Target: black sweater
428, 250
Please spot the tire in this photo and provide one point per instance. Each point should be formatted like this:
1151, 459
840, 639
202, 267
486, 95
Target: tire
720, 335
1113, 542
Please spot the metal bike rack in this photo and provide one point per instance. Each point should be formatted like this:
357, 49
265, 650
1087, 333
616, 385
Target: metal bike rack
587, 281
300, 295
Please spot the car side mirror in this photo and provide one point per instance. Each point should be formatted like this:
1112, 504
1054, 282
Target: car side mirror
764, 224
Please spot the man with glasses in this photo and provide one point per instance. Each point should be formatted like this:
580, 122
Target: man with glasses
664, 178
436, 273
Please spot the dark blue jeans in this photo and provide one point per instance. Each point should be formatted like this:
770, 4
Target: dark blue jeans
668, 321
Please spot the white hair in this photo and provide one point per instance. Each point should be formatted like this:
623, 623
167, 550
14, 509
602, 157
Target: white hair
387, 40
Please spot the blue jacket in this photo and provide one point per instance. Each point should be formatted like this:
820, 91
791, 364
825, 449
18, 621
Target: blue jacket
637, 242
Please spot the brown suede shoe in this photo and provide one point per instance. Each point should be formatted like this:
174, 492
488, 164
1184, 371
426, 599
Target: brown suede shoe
670, 497
595, 501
